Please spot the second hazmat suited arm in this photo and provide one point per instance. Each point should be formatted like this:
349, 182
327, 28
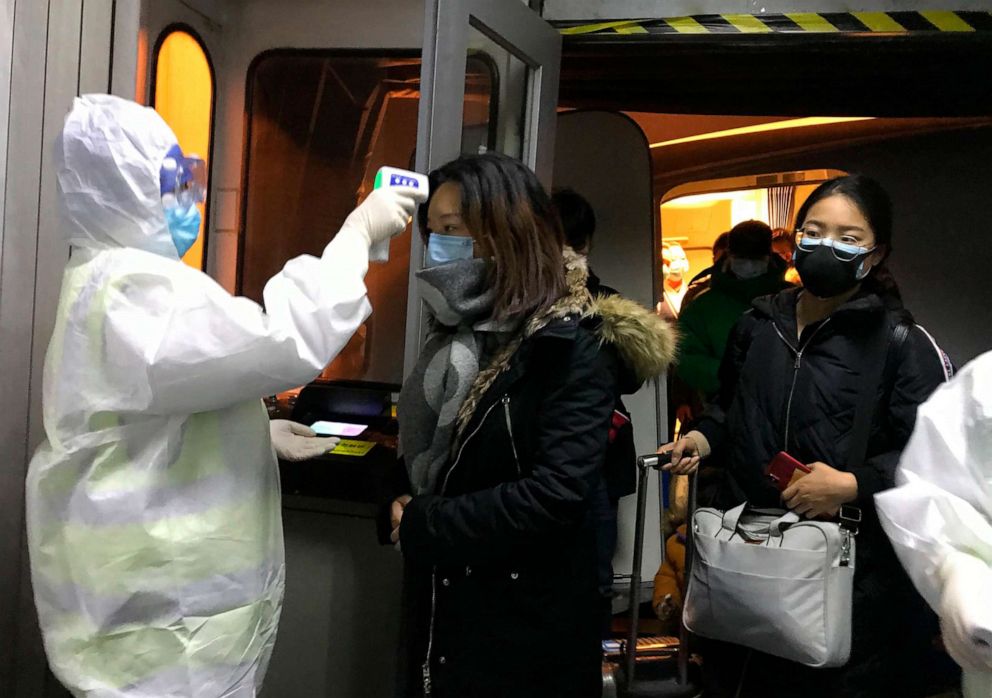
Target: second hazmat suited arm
182, 344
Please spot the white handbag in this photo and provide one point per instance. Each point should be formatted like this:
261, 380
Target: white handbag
768, 580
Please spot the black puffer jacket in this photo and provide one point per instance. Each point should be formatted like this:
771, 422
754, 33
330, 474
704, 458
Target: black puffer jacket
501, 577
780, 394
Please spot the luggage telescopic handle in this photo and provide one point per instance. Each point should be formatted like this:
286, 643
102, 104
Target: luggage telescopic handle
645, 464
654, 460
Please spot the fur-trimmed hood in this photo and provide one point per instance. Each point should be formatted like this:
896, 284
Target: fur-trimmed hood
645, 342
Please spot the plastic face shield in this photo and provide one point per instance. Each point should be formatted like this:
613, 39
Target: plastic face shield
183, 179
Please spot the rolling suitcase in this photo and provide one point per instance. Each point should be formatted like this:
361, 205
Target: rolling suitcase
669, 677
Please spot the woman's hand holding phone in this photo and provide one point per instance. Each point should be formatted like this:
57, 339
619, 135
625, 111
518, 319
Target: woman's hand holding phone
821, 492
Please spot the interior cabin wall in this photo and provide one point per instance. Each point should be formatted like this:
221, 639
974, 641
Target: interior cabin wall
49, 51
939, 183
565, 10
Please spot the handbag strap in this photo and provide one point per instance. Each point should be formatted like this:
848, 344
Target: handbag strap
732, 518
878, 352
776, 527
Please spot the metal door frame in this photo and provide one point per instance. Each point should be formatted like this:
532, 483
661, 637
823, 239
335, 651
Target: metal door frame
521, 31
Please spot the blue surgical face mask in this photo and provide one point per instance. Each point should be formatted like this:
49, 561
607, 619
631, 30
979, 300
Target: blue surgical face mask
184, 225
442, 249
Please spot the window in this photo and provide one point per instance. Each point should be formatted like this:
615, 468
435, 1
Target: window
321, 124
183, 94
694, 214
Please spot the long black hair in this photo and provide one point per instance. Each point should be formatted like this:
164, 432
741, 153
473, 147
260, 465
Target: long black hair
876, 206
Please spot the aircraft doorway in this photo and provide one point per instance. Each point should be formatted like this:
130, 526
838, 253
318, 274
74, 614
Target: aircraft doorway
724, 106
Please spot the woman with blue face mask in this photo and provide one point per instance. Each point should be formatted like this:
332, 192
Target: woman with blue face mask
504, 423
791, 379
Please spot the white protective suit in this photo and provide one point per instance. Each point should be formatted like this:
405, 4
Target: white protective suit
153, 504
939, 517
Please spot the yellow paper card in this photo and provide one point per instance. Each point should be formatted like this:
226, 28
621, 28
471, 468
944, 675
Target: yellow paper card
350, 447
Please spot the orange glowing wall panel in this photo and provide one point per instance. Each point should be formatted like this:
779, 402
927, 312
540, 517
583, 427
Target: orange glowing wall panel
184, 97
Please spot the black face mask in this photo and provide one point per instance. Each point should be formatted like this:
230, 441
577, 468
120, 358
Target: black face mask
824, 275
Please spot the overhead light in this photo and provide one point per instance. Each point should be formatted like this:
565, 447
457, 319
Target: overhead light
693, 200
735, 198
760, 128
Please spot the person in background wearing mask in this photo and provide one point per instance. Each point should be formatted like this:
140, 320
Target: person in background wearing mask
939, 518
675, 266
790, 380
504, 425
153, 508
749, 271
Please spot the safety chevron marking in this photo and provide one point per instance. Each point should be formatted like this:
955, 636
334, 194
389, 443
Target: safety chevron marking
793, 22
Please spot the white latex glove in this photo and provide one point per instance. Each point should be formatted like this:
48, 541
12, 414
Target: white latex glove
966, 611
385, 213
295, 441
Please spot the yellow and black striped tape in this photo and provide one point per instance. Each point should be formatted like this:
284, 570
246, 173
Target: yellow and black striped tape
794, 22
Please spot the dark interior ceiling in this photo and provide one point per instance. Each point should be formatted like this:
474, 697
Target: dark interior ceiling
686, 158
905, 75
676, 86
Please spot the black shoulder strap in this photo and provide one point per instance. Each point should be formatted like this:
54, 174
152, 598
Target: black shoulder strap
899, 336
882, 350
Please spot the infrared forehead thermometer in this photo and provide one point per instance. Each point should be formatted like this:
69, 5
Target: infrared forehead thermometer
394, 177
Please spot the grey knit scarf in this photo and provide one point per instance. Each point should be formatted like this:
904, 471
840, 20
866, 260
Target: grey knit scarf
460, 298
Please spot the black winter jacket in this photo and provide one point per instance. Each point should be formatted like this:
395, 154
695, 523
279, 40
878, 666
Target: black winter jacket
774, 399
508, 534
501, 593
800, 396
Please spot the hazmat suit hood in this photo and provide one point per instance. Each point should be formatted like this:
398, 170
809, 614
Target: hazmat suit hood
108, 158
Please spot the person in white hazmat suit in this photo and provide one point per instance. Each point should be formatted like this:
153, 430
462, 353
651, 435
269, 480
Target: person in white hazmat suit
153, 504
939, 517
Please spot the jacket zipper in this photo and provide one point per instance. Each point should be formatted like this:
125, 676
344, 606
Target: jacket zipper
509, 430
795, 373
426, 666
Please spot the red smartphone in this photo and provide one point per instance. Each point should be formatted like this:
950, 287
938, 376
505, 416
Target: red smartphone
782, 470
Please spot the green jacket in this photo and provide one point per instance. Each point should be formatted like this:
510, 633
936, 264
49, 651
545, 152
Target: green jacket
705, 323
